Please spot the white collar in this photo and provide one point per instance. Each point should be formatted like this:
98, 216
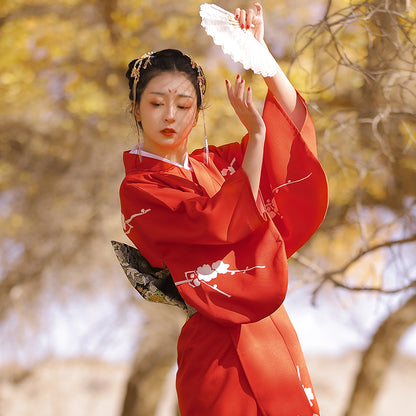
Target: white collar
136, 151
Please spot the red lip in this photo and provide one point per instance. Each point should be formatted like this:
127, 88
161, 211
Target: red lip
168, 131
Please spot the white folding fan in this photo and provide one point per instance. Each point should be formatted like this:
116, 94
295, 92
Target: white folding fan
239, 43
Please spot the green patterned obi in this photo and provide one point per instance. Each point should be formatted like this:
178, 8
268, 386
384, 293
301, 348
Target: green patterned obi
153, 284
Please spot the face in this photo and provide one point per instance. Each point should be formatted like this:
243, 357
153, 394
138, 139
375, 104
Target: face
168, 112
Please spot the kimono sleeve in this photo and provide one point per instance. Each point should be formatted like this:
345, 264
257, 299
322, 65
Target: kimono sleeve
293, 183
179, 217
226, 259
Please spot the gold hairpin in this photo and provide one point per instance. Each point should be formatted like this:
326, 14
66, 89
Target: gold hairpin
141, 62
200, 77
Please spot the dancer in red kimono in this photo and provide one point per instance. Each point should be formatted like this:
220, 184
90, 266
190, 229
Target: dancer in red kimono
224, 221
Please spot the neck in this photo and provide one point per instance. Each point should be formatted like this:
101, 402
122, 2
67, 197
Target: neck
176, 155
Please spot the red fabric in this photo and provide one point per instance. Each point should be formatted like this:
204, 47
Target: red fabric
227, 254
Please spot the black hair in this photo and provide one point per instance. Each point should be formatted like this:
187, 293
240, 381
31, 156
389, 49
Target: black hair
166, 60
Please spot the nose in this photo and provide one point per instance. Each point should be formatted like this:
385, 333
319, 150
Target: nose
170, 114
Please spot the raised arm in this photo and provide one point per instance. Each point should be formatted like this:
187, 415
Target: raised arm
242, 103
279, 85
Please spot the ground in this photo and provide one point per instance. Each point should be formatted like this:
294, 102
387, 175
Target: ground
92, 388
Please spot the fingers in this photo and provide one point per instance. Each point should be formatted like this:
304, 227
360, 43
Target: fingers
237, 95
242, 19
259, 9
229, 90
242, 103
249, 18
249, 98
239, 88
246, 18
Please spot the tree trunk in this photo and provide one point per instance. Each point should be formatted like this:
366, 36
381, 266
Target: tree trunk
377, 359
154, 360
380, 103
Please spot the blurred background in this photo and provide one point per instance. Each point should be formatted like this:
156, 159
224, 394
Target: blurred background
75, 338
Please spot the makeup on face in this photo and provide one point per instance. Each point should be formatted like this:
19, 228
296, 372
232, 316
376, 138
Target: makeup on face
168, 112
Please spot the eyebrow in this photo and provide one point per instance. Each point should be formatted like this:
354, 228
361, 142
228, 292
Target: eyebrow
163, 93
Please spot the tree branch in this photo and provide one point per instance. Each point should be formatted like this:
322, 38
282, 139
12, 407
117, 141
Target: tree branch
329, 276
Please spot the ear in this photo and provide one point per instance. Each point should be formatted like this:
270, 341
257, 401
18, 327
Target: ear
135, 111
196, 117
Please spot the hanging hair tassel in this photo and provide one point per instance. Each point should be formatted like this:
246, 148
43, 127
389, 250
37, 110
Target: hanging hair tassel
202, 88
140, 63
206, 148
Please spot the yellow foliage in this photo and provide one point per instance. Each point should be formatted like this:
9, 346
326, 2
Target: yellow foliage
368, 272
409, 163
16, 221
64, 105
375, 185
86, 98
339, 244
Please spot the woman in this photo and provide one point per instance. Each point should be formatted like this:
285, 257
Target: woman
224, 222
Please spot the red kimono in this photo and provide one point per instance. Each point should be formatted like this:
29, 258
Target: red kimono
227, 254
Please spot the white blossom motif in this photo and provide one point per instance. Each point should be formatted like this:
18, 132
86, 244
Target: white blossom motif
290, 182
127, 227
308, 390
206, 273
230, 170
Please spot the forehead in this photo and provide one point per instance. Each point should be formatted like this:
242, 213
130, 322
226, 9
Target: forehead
168, 82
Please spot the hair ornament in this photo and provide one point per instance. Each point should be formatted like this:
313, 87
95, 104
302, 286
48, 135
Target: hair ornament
200, 78
141, 62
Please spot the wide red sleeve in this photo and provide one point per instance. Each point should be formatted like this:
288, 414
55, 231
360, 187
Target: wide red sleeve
293, 184
182, 216
227, 260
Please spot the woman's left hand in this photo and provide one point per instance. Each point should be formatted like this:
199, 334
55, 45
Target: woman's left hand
252, 20
243, 105
247, 113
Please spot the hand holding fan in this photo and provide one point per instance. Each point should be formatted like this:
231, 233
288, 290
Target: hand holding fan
240, 44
